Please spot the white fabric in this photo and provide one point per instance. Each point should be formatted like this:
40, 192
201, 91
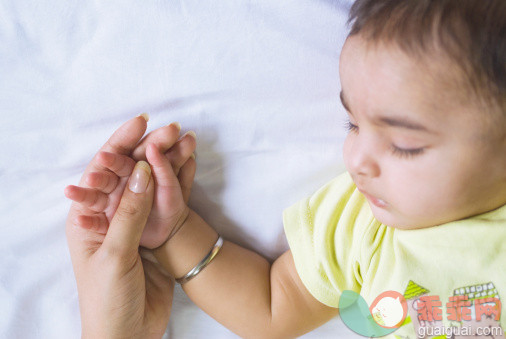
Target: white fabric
257, 81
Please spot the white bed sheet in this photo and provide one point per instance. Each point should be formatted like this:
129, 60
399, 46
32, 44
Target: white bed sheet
257, 81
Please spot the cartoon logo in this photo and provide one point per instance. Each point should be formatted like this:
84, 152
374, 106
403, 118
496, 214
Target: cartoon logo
386, 313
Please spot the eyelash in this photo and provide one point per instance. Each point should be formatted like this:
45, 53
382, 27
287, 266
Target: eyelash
350, 127
400, 152
406, 153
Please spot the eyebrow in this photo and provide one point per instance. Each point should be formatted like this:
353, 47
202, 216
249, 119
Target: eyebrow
390, 121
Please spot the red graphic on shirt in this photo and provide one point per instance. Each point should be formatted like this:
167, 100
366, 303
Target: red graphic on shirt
429, 308
459, 308
488, 307
470, 311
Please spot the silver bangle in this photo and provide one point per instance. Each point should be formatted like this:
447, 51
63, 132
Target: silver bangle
201, 265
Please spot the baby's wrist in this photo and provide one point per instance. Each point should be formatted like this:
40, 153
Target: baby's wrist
187, 246
179, 224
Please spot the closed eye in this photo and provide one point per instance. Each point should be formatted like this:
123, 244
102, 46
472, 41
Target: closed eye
407, 153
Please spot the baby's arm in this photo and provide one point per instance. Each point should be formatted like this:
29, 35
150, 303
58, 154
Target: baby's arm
241, 289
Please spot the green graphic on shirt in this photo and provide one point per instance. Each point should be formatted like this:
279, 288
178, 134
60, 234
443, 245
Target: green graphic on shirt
478, 291
386, 313
414, 290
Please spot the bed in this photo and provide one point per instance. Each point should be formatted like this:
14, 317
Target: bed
256, 80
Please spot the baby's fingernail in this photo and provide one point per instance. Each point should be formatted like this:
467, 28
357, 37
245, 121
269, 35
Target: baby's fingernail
139, 179
192, 133
177, 124
193, 156
145, 116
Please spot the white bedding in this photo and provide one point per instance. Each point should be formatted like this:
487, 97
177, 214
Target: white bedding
257, 81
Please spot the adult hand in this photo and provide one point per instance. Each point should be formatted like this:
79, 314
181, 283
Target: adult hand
121, 294
104, 181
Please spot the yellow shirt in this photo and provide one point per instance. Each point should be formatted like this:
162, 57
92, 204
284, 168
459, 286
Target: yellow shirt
338, 245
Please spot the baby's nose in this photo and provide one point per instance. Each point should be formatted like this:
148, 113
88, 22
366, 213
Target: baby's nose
363, 160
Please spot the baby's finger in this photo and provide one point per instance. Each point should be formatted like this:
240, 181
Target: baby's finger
164, 138
90, 198
121, 165
162, 169
186, 176
97, 222
182, 150
104, 181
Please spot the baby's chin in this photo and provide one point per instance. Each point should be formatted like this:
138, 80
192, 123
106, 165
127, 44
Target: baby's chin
402, 222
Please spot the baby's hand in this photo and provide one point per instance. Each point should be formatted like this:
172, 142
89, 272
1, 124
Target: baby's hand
173, 177
173, 173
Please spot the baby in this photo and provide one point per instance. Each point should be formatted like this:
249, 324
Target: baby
421, 210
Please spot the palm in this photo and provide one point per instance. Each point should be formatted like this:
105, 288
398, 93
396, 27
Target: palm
139, 291
147, 313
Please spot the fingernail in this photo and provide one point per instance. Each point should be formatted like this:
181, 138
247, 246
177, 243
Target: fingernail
178, 125
193, 156
139, 179
192, 133
145, 116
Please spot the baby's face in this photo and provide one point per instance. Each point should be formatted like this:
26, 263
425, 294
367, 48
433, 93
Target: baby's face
420, 155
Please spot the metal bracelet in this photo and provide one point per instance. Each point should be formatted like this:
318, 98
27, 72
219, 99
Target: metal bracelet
201, 265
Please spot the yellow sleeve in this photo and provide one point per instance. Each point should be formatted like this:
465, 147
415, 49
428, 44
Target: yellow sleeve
325, 233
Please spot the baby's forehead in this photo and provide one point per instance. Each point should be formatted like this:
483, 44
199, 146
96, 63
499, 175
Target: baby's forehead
439, 73
433, 77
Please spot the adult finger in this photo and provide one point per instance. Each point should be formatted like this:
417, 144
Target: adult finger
97, 222
119, 164
104, 181
125, 138
164, 138
92, 199
123, 141
128, 222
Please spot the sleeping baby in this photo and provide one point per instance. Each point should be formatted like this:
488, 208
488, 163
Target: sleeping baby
419, 214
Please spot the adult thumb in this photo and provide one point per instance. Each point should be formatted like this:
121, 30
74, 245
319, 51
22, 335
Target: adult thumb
128, 222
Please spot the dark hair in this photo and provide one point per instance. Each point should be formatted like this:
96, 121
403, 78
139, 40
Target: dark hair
472, 33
